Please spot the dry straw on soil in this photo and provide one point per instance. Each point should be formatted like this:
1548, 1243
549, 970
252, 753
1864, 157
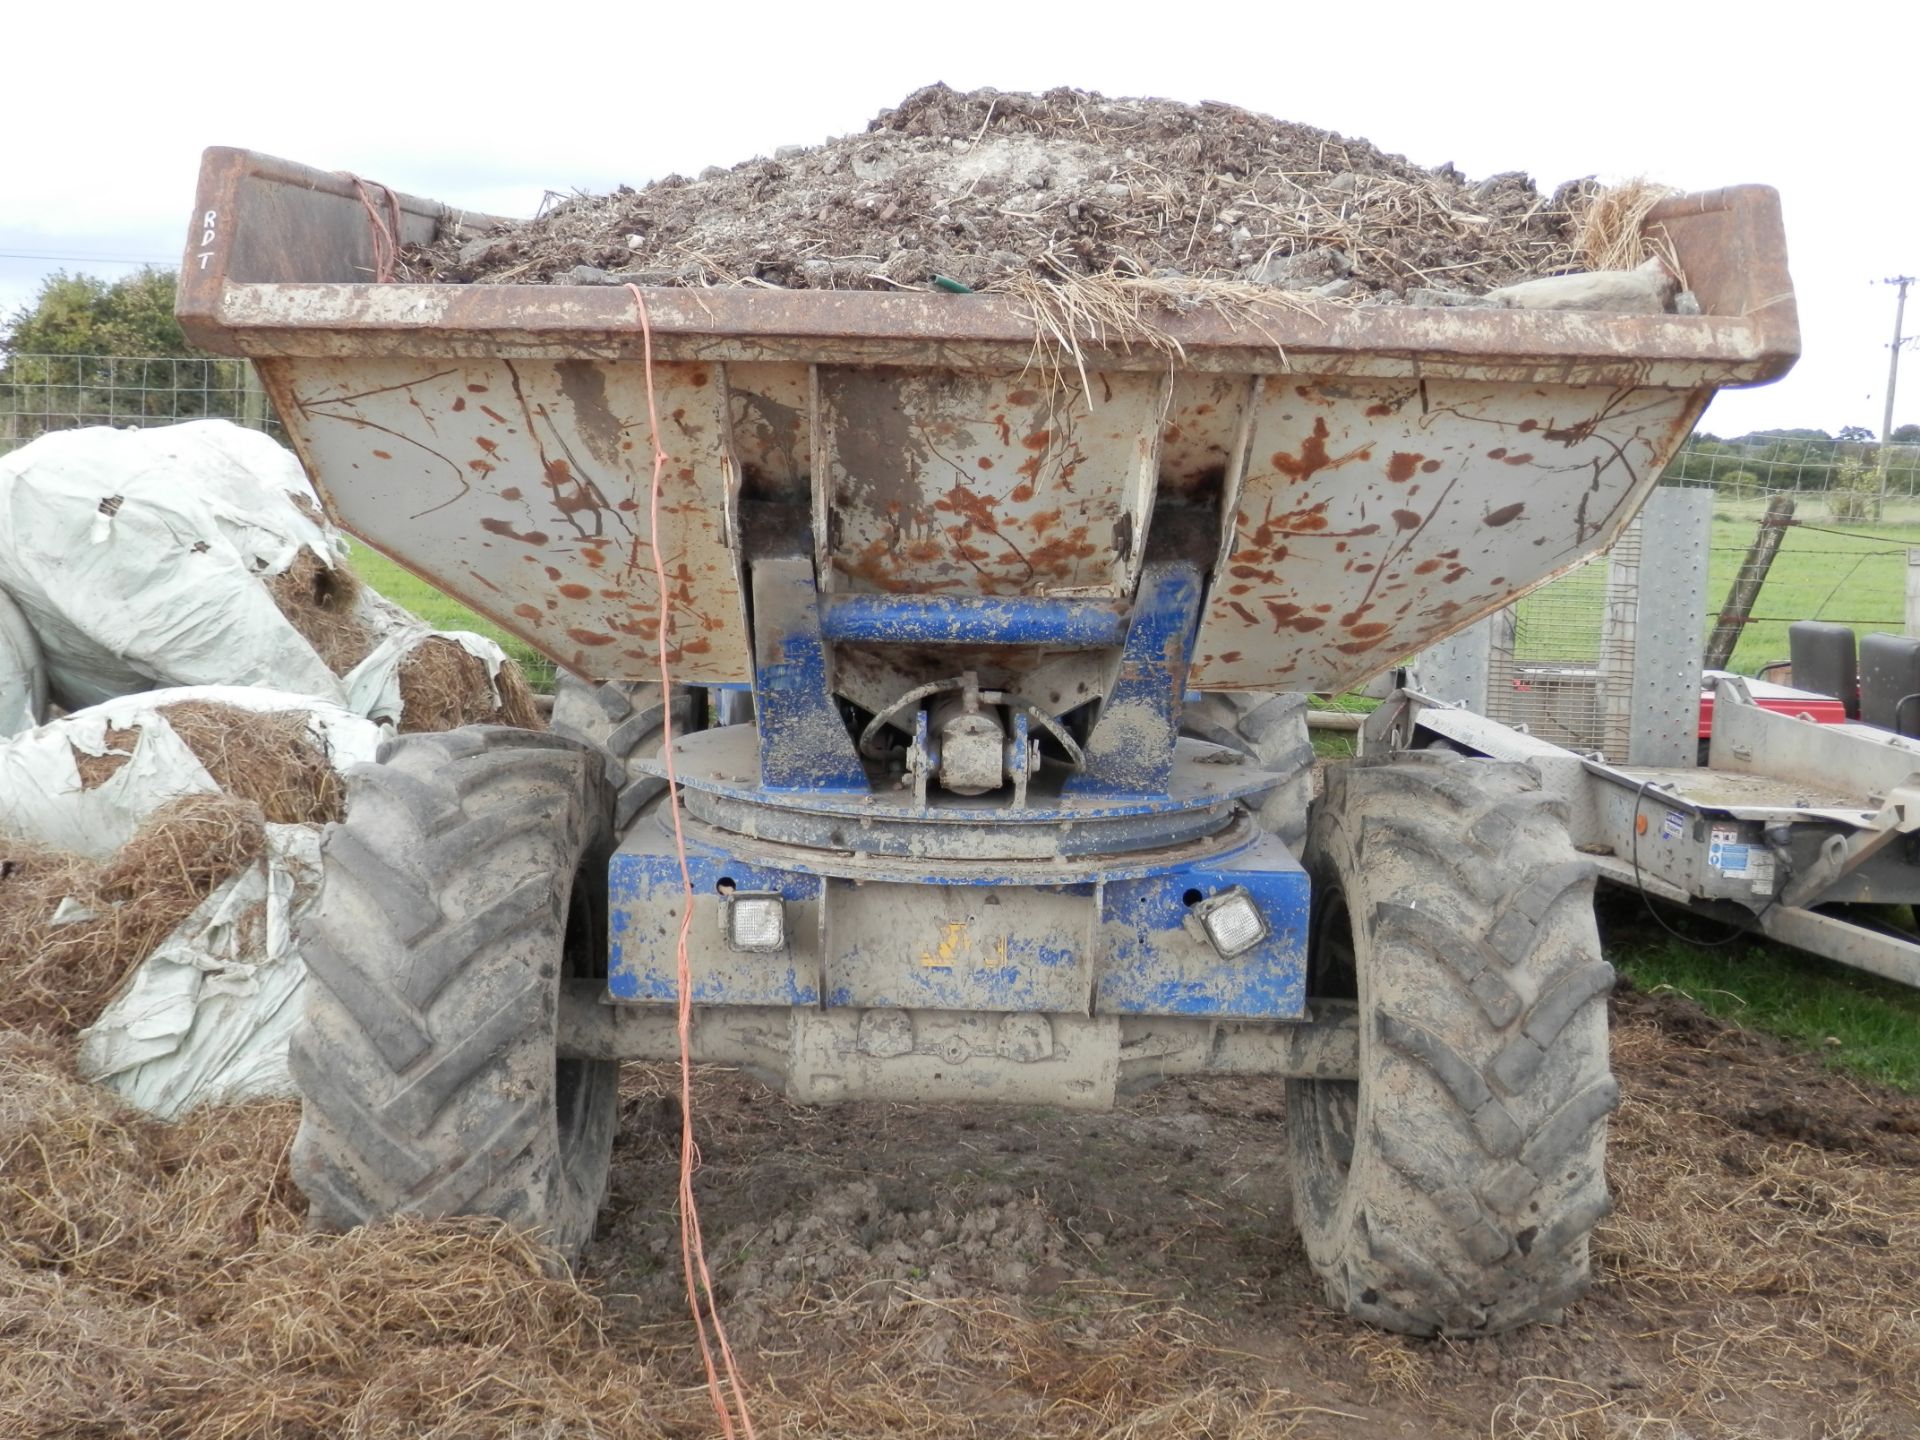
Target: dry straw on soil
155, 1283
981, 187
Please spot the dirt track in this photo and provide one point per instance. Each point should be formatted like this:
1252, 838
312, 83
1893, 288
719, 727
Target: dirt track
962, 1272
1139, 1267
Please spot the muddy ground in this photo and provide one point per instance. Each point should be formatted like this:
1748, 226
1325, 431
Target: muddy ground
1759, 1276
987, 186
963, 1272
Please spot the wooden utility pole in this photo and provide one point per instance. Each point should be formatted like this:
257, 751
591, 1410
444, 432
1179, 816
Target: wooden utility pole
1746, 584
1913, 590
1893, 383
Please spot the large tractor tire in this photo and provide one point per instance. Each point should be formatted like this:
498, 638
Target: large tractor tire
625, 720
1270, 730
1451, 1190
466, 883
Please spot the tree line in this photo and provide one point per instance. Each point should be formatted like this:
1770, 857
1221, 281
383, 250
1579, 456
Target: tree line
1810, 460
89, 351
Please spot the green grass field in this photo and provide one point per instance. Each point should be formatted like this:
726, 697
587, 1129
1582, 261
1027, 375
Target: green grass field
1847, 571
1858, 577
1855, 1022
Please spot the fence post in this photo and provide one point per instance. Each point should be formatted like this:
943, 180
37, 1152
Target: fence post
1913, 591
253, 398
1746, 584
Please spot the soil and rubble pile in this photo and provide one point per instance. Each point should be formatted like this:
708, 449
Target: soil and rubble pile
987, 187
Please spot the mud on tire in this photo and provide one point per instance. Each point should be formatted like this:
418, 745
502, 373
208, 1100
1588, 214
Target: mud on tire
467, 880
625, 720
1452, 1189
1271, 730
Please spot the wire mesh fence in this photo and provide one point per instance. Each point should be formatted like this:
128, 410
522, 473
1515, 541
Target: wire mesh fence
1544, 660
1849, 479
1803, 528
44, 393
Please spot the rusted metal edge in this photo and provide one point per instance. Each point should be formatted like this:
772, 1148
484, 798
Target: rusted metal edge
1753, 339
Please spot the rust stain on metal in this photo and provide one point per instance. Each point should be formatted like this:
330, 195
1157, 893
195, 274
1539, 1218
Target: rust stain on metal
1329, 519
914, 466
567, 510
505, 528
1313, 457
1585, 409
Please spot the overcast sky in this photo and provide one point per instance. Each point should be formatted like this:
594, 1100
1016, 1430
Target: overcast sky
487, 107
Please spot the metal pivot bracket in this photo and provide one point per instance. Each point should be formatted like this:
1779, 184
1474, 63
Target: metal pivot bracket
1842, 854
804, 743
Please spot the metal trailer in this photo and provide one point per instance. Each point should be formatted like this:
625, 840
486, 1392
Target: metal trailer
1789, 828
989, 687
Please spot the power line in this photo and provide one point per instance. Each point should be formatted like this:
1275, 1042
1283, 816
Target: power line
87, 259
1893, 375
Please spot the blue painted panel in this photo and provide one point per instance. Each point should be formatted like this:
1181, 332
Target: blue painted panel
804, 744
974, 620
1145, 959
645, 898
1155, 966
1130, 751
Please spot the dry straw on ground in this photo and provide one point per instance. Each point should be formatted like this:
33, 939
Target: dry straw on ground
155, 1281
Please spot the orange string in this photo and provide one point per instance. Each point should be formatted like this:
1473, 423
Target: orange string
386, 229
693, 1255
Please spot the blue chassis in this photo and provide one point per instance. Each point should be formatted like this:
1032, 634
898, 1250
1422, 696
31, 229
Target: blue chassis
1115, 935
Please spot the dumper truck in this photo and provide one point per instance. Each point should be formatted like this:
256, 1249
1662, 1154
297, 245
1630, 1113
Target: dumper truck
990, 775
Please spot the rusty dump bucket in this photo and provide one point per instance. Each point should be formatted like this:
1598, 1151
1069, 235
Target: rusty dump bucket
1376, 478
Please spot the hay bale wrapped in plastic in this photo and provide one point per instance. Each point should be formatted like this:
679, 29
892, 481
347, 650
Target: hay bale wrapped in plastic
155, 854
137, 557
197, 554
